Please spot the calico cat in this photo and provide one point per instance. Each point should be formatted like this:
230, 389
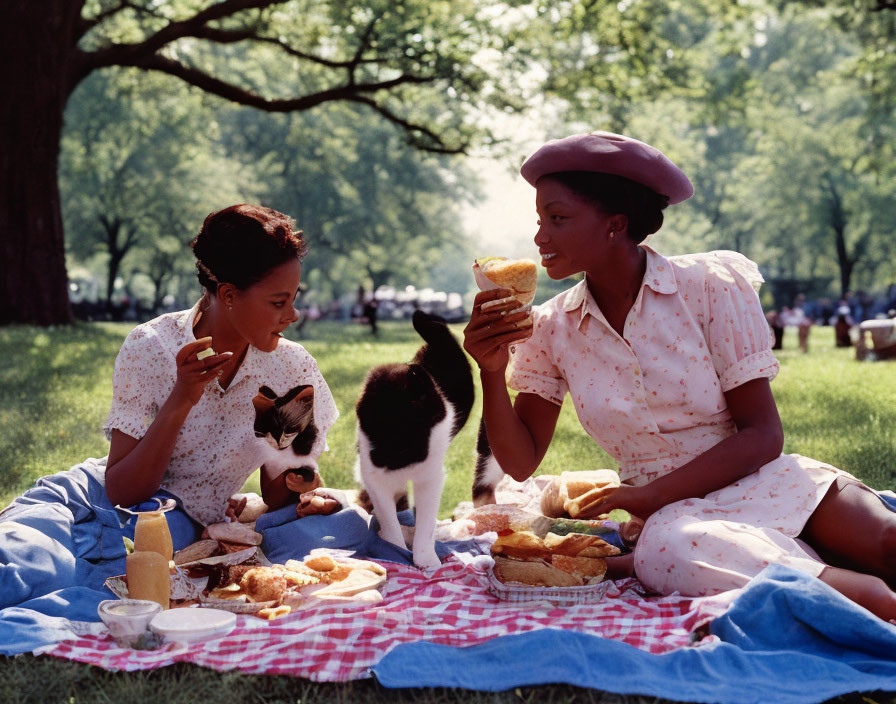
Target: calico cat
407, 416
286, 423
487, 473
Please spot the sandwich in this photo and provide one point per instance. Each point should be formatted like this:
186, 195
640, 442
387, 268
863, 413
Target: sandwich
518, 275
573, 493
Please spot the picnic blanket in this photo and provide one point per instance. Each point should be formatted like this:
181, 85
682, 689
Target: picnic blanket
787, 638
785, 635
450, 607
63, 538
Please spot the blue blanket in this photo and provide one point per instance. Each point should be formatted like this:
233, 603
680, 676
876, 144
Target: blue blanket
63, 538
788, 638
58, 544
286, 538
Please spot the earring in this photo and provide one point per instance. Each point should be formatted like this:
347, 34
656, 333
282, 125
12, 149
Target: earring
612, 234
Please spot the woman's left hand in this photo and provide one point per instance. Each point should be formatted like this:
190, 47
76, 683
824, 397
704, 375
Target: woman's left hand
637, 500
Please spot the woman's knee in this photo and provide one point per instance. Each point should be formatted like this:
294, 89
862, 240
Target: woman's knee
673, 558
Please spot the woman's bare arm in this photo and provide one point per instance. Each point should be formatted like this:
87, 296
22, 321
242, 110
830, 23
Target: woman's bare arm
519, 434
759, 440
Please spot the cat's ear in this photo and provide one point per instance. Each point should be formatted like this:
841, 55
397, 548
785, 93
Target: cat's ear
302, 392
264, 399
307, 392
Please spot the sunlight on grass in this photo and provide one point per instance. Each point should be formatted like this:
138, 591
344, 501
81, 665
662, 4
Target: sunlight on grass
55, 386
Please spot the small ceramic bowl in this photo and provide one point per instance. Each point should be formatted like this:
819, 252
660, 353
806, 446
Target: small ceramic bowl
127, 619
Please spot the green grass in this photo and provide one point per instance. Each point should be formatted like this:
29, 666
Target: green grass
55, 387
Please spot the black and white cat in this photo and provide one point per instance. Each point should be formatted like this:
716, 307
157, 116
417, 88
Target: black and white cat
487, 473
286, 423
407, 416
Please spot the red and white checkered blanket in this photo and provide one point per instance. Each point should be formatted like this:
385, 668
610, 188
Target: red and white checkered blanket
450, 606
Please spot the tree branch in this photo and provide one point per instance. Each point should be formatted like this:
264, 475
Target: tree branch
411, 128
231, 36
353, 93
363, 45
216, 86
127, 54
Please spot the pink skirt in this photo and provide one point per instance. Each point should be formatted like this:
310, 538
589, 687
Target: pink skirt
705, 546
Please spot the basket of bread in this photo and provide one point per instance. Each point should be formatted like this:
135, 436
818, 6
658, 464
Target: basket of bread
564, 565
556, 555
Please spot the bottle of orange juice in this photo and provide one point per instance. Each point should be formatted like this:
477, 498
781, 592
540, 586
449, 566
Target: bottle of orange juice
151, 534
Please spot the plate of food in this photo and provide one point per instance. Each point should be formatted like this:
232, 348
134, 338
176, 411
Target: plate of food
245, 582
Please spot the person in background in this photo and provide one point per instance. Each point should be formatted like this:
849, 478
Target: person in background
842, 323
776, 324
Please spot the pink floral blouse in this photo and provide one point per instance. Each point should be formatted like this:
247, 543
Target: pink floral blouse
653, 398
216, 448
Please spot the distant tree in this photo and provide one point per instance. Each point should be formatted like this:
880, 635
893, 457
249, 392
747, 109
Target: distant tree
374, 210
140, 162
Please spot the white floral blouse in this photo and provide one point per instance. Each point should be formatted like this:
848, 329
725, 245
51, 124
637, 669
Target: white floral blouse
216, 449
653, 398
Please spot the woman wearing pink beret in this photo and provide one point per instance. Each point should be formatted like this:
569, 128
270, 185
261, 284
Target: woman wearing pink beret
668, 362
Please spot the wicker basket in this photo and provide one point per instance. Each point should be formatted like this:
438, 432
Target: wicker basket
563, 596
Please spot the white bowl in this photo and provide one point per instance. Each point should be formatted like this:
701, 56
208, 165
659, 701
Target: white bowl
127, 619
189, 625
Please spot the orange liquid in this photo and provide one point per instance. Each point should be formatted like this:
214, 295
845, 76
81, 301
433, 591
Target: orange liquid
148, 577
151, 534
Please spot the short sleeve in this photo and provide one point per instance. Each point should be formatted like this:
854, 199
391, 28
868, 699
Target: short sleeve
532, 368
738, 334
143, 377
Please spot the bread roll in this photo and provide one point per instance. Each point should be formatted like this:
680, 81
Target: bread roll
552, 502
518, 275
584, 489
590, 569
579, 544
536, 573
148, 577
523, 544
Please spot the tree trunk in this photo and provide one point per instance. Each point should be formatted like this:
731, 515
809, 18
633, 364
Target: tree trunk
838, 225
35, 71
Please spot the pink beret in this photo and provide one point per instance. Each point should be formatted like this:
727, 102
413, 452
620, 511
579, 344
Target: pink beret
609, 153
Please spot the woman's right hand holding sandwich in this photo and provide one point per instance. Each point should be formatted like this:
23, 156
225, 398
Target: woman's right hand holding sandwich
193, 373
493, 327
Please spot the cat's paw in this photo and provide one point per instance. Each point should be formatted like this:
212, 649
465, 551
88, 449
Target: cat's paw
427, 559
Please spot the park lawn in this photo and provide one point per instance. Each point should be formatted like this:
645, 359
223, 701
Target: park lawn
55, 386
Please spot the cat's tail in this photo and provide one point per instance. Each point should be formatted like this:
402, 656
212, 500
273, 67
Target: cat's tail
487, 473
445, 361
